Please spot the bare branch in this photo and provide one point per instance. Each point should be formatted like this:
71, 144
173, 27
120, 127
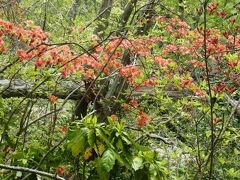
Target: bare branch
34, 171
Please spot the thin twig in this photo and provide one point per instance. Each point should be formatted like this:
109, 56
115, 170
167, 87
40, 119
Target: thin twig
151, 135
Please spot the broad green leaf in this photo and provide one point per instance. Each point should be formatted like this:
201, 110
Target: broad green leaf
137, 163
103, 174
108, 160
78, 143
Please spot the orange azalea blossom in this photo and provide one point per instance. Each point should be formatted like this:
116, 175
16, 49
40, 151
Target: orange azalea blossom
1, 42
64, 73
22, 54
60, 170
134, 103
232, 63
216, 120
53, 99
150, 82
94, 37
39, 63
63, 129
198, 92
196, 63
222, 14
162, 62
212, 7
130, 71
170, 48
114, 117
142, 119
186, 82
232, 20
126, 106
230, 89
89, 74
219, 88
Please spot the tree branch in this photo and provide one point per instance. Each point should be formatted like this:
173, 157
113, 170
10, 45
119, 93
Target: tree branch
34, 171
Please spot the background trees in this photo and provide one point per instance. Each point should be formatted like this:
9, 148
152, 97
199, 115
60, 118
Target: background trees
119, 89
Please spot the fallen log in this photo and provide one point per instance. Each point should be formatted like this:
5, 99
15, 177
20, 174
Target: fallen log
19, 88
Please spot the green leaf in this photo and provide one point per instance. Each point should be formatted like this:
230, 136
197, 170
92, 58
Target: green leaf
91, 120
155, 172
18, 174
104, 175
91, 137
108, 160
119, 144
105, 164
236, 152
139, 147
100, 133
94, 120
78, 143
24, 161
221, 160
121, 160
137, 163
208, 134
126, 139
149, 155
232, 173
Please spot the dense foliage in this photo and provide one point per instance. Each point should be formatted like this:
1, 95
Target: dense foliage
119, 89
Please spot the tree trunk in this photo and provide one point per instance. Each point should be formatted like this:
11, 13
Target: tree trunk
72, 13
104, 12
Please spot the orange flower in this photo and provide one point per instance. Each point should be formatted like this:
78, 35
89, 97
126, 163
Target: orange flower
126, 106
222, 14
114, 117
63, 129
186, 82
39, 63
22, 54
53, 99
89, 74
219, 88
60, 170
232, 63
142, 119
134, 103
212, 7
230, 89
216, 120
198, 92
64, 73
232, 20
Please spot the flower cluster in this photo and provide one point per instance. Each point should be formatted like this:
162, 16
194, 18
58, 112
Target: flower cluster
142, 118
